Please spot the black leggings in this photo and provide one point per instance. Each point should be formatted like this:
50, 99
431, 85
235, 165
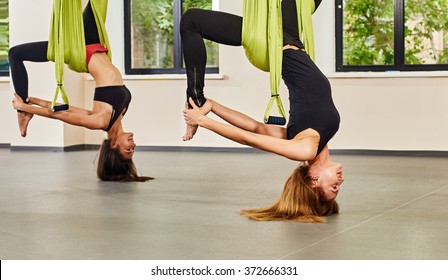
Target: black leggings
195, 26
37, 52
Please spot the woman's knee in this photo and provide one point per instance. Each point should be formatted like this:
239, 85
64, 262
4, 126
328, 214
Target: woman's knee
13, 53
187, 19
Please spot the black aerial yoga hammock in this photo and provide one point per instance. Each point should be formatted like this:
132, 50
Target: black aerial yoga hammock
262, 38
67, 43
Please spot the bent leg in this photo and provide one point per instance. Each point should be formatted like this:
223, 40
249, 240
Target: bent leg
90, 29
34, 52
197, 25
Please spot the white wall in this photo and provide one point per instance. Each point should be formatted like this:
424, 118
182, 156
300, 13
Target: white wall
7, 121
387, 112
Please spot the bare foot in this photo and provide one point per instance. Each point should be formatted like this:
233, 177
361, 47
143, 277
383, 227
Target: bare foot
191, 131
24, 118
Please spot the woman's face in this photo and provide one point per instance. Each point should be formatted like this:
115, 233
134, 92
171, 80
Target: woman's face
330, 180
125, 144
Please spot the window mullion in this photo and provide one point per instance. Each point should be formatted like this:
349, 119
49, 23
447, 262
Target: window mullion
127, 37
177, 10
339, 34
399, 45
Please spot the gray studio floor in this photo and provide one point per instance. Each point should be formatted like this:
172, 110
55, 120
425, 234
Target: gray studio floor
53, 207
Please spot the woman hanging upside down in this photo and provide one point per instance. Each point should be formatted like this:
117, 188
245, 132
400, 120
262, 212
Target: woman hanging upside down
310, 191
110, 102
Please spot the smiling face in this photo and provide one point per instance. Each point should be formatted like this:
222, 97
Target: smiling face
330, 180
125, 144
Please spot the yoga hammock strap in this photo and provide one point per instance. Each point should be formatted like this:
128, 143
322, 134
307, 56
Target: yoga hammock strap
262, 38
280, 108
66, 43
305, 9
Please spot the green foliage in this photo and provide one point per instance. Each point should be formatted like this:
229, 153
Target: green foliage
426, 23
153, 32
4, 35
202, 4
152, 24
369, 32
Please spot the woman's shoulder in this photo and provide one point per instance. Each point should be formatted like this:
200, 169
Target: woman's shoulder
308, 133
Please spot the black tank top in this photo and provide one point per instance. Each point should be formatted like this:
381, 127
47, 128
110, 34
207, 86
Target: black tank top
290, 23
117, 96
310, 100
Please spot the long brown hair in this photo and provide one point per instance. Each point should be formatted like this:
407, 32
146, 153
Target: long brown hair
299, 202
112, 166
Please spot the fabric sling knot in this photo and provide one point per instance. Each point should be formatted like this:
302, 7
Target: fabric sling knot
262, 38
66, 44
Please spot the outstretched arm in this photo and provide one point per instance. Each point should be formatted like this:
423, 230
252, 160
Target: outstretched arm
245, 122
47, 104
295, 149
74, 116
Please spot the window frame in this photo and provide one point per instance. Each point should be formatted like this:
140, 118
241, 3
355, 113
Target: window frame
178, 55
399, 46
4, 73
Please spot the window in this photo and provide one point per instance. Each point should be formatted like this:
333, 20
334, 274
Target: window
391, 35
4, 38
152, 38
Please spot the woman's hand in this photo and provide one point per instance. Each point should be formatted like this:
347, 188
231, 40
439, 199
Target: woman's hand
195, 115
39, 102
17, 102
205, 109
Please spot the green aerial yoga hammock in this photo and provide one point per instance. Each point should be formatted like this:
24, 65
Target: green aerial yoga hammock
67, 43
262, 38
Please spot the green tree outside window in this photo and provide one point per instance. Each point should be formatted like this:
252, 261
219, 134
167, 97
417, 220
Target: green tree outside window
152, 25
392, 34
426, 31
4, 37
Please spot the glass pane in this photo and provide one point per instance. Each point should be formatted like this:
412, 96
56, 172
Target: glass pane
152, 27
4, 35
426, 32
212, 48
152, 34
368, 32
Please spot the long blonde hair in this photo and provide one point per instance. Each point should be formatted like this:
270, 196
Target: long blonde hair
299, 202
